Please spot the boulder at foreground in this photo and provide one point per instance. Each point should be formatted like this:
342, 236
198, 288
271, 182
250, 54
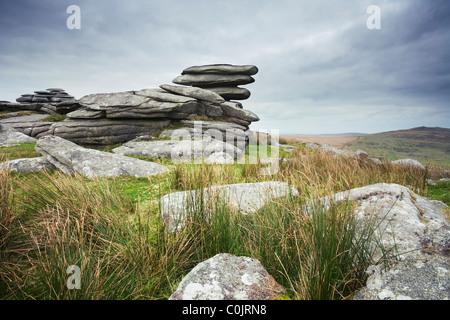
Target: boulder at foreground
413, 227
245, 198
71, 158
27, 165
227, 277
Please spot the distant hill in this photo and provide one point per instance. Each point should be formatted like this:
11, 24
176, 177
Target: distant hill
428, 145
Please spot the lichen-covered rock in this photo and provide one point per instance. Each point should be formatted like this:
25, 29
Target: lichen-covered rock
227, 277
27, 165
71, 158
415, 229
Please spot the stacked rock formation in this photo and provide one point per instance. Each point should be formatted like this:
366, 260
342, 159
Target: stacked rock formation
50, 101
46, 96
104, 119
222, 79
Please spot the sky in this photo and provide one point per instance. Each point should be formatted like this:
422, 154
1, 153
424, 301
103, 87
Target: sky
321, 69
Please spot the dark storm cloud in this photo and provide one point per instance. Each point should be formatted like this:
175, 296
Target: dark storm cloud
321, 69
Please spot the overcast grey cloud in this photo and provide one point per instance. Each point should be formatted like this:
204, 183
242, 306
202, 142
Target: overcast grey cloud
321, 69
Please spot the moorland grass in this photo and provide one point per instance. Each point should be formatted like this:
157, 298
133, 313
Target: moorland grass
112, 229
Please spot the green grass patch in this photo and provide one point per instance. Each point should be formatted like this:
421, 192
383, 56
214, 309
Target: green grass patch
441, 192
24, 150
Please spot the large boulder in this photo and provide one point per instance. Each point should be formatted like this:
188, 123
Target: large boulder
71, 158
10, 137
27, 165
210, 80
415, 229
245, 198
228, 277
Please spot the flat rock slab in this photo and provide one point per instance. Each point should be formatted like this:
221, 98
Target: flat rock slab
222, 69
245, 198
71, 158
176, 150
197, 93
162, 95
228, 277
27, 165
205, 80
10, 137
231, 93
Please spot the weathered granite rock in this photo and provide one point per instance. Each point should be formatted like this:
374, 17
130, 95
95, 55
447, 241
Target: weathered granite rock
197, 93
131, 105
71, 158
87, 114
179, 150
10, 137
104, 132
416, 229
245, 198
35, 129
27, 165
231, 93
228, 277
212, 80
408, 163
222, 69
163, 95
230, 109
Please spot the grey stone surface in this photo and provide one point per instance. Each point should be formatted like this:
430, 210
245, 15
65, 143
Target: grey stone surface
105, 132
87, 114
222, 69
245, 198
230, 109
212, 80
162, 95
27, 165
176, 150
415, 229
408, 163
35, 129
10, 137
231, 93
71, 158
197, 93
228, 277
